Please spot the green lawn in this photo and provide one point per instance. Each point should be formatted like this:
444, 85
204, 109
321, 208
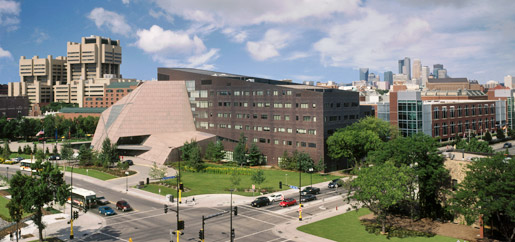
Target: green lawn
346, 227
4, 211
91, 172
204, 183
16, 155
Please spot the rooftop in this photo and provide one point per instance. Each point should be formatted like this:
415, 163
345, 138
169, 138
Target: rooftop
82, 110
448, 80
122, 84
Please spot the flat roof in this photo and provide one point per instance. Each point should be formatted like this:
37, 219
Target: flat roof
82, 110
122, 84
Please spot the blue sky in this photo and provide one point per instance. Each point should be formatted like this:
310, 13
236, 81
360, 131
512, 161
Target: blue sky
289, 39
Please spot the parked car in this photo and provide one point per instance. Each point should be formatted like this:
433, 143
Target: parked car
130, 162
507, 145
335, 183
260, 201
307, 198
288, 202
276, 197
102, 201
105, 210
311, 190
123, 205
54, 157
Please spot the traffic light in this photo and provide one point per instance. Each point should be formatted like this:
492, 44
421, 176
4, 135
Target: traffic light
180, 225
166, 208
75, 214
280, 185
201, 234
236, 211
181, 187
232, 234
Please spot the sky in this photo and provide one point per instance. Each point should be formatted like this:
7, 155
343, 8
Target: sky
301, 40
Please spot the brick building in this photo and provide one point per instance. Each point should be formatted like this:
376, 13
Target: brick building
112, 93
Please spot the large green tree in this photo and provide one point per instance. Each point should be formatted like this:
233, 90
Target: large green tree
474, 146
157, 172
85, 156
240, 151
109, 153
258, 177
380, 187
46, 185
489, 189
215, 151
355, 141
255, 157
419, 152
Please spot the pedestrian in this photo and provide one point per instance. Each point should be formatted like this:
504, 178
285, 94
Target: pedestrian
11, 236
19, 234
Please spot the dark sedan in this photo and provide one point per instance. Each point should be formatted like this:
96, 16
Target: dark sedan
260, 201
308, 197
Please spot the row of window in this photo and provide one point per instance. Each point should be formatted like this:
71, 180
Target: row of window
207, 125
285, 142
266, 116
461, 111
255, 93
463, 127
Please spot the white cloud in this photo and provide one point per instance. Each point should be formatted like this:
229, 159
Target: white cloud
269, 46
5, 53
235, 35
159, 13
297, 55
126, 2
156, 39
9, 12
242, 13
114, 22
39, 36
175, 49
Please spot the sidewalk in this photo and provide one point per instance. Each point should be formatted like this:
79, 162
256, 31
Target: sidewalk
57, 226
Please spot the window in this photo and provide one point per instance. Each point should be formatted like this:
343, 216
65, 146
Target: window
306, 118
312, 131
460, 127
290, 131
315, 105
467, 110
276, 93
276, 142
264, 116
486, 108
287, 117
444, 129
267, 129
301, 131
236, 93
436, 130
304, 105
435, 113
287, 105
474, 124
473, 110
312, 145
459, 111
277, 117
259, 93
278, 105
492, 109
237, 126
444, 112
467, 125
452, 128
452, 111
288, 93
480, 110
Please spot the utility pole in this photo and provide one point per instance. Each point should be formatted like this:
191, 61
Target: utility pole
232, 231
300, 192
71, 205
178, 200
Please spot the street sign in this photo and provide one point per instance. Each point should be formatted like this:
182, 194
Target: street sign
300, 209
168, 177
293, 187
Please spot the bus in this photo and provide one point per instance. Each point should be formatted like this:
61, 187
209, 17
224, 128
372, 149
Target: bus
82, 198
26, 164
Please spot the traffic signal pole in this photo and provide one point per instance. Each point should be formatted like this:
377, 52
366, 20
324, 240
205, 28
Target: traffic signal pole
71, 205
300, 192
179, 193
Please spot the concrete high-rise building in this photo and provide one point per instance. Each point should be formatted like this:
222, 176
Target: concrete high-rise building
94, 57
417, 70
388, 77
437, 67
363, 74
89, 67
373, 78
509, 81
405, 67
424, 75
442, 74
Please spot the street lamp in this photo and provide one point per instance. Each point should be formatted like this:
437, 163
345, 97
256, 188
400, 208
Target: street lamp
71, 204
126, 181
231, 233
286, 179
311, 172
7, 173
300, 192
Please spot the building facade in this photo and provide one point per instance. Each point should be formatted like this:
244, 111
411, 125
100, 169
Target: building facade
112, 93
277, 116
363, 74
13, 107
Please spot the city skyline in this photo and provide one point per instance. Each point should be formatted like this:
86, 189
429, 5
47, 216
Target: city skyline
288, 40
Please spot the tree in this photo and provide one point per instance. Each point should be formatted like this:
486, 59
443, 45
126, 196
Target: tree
500, 133
215, 151
66, 151
6, 151
33, 192
157, 172
488, 137
235, 178
47, 151
380, 187
240, 151
186, 149
355, 141
419, 152
255, 156
258, 177
195, 160
54, 150
20, 151
85, 156
488, 189
109, 153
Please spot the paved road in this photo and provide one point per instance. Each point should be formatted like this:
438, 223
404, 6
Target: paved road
149, 223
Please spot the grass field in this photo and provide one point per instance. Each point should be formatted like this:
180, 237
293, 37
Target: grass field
205, 183
92, 173
347, 228
4, 211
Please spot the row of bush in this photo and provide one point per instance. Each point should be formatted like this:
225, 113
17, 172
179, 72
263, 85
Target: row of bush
222, 170
375, 228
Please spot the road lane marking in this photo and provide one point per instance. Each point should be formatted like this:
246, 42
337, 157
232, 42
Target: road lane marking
248, 235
